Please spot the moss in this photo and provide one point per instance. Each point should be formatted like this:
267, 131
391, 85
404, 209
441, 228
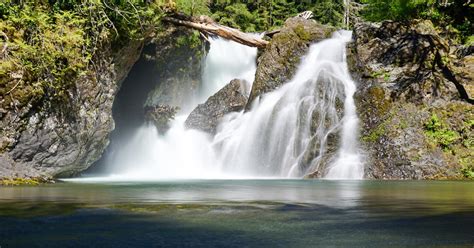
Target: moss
329, 31
468, 171
469, 40
20, 181
451, 128
49, 45
385, 75
189, 41
375, 134
302, 33
403, 123
440, 134
378, 101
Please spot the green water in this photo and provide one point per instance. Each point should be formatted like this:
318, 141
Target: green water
239, 213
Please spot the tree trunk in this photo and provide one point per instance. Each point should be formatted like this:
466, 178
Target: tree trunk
209, 27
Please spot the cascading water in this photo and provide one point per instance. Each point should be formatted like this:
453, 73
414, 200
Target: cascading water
287, 132
309, 124
182, 153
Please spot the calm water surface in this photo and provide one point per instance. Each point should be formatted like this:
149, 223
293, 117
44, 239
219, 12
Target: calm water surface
239, 213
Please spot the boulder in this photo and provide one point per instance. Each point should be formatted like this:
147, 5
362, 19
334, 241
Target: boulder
278, 62
206, 116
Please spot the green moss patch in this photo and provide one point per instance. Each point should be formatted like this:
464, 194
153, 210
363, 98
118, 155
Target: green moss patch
451, 129
48, 45
18, 181
302, 33
440, 133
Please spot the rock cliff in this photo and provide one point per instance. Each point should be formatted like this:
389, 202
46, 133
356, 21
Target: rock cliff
413, 101
59, 141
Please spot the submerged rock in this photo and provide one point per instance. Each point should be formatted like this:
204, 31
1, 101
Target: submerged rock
206, 116
407, 78
277, 64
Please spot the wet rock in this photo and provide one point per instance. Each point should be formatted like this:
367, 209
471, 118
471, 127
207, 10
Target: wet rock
160, 116
325, 128
178, 68
206, 116
277, 64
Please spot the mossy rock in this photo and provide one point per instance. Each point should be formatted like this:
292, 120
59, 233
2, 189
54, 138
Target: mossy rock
277, 63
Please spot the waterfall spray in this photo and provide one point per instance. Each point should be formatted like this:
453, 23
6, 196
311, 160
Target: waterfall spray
183, 153
287, 131
308, 124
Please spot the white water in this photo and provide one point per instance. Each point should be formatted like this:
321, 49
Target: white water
227, 60
276, 138
183, 153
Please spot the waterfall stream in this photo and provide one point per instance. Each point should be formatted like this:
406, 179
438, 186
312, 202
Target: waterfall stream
288, 132
308, 124
181, 152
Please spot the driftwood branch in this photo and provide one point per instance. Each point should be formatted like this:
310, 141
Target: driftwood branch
209, 27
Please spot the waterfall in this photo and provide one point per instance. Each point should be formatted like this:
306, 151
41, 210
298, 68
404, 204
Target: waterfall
227, 60
183, 153
308, 124
288, 132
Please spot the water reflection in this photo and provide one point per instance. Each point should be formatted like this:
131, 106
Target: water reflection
239, 213
336, 194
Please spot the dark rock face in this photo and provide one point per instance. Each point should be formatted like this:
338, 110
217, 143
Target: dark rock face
322, 151
402, 87
279, 60
206, 116
160, 116
57, 141
178, 69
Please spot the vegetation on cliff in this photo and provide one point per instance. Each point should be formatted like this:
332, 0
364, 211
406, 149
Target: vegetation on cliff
455, 16
46, 45
451, 129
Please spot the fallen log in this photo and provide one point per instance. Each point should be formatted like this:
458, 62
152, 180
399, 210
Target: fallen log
205, 25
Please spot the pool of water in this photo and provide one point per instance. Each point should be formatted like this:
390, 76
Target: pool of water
239, 213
